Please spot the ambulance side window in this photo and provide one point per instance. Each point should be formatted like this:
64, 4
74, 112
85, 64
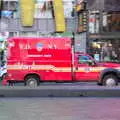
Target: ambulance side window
82, 59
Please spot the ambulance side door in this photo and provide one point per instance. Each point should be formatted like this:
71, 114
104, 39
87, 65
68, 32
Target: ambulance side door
85, 69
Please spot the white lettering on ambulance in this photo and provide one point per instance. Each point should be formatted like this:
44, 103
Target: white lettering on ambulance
47, 55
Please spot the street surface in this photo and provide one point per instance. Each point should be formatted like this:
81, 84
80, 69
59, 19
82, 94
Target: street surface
55, 84
59, 108
61, 90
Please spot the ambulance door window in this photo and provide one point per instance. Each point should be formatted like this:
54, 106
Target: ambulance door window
82, 59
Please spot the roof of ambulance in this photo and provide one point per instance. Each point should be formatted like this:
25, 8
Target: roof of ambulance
45, 38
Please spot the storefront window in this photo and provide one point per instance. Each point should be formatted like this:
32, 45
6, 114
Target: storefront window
28, 34
111, 21
68, 8
9, 9
107, 50
44, 8
94, 21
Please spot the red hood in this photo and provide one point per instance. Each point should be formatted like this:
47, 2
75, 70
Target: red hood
111, 65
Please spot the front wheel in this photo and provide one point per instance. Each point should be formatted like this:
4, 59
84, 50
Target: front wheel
110, 80
32, 81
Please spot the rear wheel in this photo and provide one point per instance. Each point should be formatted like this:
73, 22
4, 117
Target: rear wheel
32, 81
110, 80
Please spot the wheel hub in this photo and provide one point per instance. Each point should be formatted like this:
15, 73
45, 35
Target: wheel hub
32, 83
110, 82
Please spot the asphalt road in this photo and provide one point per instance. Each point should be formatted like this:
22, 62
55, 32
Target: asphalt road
59, 109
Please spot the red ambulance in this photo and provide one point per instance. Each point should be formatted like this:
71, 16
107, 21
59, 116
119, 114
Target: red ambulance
36, 60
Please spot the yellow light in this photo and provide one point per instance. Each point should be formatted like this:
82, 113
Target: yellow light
96, 45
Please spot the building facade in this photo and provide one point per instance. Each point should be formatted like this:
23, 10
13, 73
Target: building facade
104, 28
44, 22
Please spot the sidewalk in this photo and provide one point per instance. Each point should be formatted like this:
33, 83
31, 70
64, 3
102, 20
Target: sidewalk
60, 90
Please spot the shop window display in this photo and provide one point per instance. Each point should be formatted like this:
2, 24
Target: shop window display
107, 51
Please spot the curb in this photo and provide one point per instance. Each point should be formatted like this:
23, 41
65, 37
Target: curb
49, 91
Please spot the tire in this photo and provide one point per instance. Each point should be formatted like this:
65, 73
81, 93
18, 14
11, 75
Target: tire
32, 81
110, 80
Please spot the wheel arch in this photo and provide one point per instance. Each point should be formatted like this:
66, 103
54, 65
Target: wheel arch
31, 74
107, 72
